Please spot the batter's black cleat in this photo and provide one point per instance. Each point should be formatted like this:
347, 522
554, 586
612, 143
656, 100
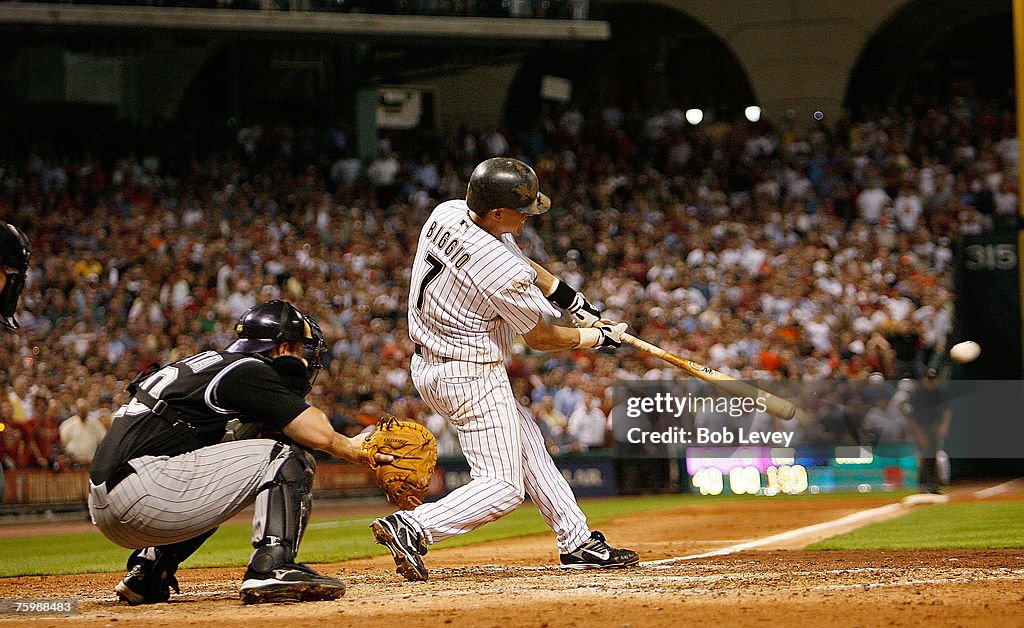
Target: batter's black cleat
292, 582
142, 587
597, 554
406, 545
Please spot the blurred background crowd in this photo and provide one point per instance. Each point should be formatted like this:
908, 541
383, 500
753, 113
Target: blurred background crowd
778, 250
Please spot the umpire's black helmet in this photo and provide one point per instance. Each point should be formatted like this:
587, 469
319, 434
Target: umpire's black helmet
269, 324
14, 254
502, 182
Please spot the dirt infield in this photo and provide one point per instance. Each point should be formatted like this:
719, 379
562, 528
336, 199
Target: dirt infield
514, 583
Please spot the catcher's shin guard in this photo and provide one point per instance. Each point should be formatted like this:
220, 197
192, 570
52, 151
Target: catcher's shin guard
282, 510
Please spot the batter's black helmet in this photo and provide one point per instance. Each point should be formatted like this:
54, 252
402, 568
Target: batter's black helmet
14, 254
505, 183
267, 325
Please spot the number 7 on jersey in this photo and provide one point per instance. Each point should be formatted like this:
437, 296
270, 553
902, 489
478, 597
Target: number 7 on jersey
436, 266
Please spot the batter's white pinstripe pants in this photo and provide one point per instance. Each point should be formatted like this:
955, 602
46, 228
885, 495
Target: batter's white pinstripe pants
505, 450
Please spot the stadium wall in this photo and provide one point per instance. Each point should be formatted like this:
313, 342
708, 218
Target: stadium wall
800, 56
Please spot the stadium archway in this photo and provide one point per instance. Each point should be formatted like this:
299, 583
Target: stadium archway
929, 52
656, 56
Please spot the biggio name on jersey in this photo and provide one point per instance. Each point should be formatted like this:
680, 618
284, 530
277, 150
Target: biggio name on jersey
447, 245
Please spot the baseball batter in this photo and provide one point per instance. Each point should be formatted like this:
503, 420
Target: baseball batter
169, 471
472, 293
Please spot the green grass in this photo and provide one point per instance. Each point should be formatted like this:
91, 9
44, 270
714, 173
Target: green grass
943, 526
994, 525
327, 540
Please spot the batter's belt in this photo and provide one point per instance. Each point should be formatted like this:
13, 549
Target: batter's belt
430, 357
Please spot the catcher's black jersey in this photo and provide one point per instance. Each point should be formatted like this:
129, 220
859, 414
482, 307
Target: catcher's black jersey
203, 392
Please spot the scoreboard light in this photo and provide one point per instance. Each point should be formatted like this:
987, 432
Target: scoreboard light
854, 454
802, 469
783, 456
744, 480
709, 480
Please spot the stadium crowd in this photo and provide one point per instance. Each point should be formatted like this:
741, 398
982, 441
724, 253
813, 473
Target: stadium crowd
773, 251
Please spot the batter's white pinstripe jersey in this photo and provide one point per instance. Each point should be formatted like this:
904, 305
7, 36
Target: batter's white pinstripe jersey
471, 293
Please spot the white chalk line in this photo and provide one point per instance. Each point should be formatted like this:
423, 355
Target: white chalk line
853, 518
998, 489
788, 535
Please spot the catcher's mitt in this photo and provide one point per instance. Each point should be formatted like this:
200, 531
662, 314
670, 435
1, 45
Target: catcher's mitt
406, 479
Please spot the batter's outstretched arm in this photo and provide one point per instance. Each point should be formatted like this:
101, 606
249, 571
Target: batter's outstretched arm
548, 337
583, 313
545, 280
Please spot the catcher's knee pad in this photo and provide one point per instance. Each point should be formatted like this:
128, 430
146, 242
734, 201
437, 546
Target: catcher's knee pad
282, 509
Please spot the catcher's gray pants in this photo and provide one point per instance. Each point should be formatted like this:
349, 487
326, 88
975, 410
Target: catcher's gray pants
172, 499
505, 450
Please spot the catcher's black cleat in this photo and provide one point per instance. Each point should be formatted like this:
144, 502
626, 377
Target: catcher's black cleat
142, 587
406, 545
292, 582
597, 554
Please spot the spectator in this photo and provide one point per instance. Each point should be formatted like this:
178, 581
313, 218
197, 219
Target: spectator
546, 413
346, 170
873, 203
567, 394
556, 436
905, 340
43, 435
908, 208
81, 435
383, 174
588, 424
14, 449
20, 397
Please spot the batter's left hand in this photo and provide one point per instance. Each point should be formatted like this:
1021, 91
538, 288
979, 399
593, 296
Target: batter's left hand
583, 312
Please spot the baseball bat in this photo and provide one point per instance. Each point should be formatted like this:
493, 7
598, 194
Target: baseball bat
773, 404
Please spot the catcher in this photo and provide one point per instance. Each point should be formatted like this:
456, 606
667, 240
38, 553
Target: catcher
165, 476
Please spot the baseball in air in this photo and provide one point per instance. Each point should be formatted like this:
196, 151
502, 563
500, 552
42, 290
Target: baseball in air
964, 352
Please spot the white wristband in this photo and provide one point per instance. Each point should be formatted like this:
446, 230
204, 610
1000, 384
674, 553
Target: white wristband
590, 337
